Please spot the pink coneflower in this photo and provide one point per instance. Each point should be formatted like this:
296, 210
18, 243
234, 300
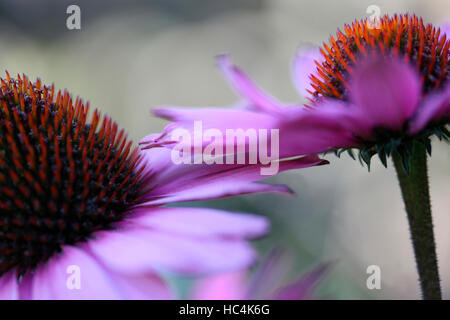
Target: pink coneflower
383, 86
379, 90
80, 214
383, 91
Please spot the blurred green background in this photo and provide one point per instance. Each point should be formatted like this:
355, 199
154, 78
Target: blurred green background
131, 56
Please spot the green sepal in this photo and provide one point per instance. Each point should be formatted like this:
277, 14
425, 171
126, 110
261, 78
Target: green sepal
382, 154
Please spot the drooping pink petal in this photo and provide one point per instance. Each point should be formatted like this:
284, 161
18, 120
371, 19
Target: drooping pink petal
201, 222
216, 118
188, 182
301, 131
246, 89
142, 249
303, 65
200, 182
8, 286
58, 279
387, 91
214, 191
434, 108
174, 183
328, 126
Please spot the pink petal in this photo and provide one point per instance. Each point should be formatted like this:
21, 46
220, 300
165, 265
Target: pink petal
147, 286
387, 91
201, 222
142, 249
303, 65
189, 182
223, 119
445, 28
50, 280
227, 286
302, 131
330, 125
213, 191
173, 183
53, 280
246, 88
8, 286
435, 107
217, 118
199, 182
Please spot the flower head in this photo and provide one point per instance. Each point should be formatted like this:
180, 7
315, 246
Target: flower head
75, 197
61, 178
374, 90
387, 87
425, 47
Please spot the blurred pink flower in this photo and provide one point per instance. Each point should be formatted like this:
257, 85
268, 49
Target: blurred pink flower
266, 283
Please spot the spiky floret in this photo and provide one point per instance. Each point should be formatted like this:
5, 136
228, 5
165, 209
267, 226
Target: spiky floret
404, 36
401, 36
61, 176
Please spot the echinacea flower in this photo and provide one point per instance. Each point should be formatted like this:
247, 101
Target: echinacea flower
371, 89
80, 210
265, 283
379, 90
383, 90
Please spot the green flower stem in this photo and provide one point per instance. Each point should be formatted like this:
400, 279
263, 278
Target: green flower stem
416, 196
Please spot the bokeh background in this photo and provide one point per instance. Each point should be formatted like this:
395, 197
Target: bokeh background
131, 56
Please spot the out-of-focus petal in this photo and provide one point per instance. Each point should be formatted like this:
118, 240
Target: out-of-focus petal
141, 249
218, 119
268, 275
386, 90
52, 280
302, 288
435, 107
8, 286
246, 89
145, 286
58, 279
226, 286
303, 65
201, 222
266, 282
